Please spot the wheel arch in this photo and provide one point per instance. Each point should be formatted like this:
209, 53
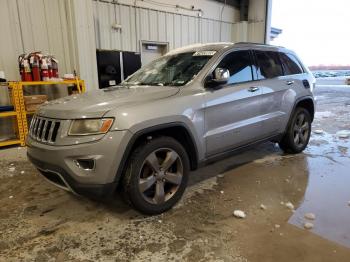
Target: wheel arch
305, 102
308, 104
177, 130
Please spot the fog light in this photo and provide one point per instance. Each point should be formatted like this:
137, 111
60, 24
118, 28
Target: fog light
86, 164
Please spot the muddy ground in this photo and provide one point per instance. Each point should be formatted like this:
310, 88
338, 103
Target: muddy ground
39, 222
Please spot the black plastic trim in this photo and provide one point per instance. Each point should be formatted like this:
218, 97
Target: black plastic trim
122, 164
295, 105
96, 191
236, 150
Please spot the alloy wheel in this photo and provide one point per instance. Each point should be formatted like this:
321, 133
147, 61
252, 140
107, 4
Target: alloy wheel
160, 176
301, 130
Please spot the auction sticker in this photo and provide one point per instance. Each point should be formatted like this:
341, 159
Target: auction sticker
204, 53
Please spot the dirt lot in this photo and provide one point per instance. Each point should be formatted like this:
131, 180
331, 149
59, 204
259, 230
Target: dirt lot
39, 222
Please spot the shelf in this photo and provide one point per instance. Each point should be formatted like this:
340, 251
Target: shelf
10, 142
9, 113
16, 112
35, 83
20, 112
80, 84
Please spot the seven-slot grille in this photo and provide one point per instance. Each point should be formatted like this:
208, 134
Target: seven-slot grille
44, 129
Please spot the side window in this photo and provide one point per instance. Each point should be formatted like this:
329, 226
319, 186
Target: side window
239, 65
269, 64
290, 64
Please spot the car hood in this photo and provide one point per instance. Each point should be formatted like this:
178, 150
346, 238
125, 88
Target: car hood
96, 103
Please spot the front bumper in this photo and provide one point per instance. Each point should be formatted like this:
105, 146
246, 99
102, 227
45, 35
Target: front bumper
58, 164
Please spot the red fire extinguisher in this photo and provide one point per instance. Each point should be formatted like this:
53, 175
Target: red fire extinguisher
21, 66
27, 71
54, 67
49, 65
44, 69
34, 61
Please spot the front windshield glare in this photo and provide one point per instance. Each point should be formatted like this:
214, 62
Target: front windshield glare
173, 70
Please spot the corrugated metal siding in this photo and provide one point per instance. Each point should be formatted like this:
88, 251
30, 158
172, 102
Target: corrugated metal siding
150, 25
35, 25
72, 29
64, 28
81, 27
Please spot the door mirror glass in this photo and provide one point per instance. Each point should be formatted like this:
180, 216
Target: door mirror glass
221, 75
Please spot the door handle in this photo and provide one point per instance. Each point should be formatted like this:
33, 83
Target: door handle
253, 89
290, 83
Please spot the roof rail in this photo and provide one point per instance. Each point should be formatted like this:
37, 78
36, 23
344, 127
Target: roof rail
249, 43
253, 43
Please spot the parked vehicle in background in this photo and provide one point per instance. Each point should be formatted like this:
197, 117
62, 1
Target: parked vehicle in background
191, 106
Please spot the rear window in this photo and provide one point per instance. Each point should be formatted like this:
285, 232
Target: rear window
291, 65
269, 64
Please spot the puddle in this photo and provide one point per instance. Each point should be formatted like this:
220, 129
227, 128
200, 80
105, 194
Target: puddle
327, 193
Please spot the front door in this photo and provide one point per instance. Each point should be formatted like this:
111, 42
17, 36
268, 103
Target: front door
232, 111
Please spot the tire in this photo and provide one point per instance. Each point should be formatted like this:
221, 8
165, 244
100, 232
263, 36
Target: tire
156, 175
298, 132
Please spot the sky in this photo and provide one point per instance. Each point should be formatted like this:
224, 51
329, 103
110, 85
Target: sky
318, 31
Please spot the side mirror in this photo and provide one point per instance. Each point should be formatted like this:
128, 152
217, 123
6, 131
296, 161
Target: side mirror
221, 75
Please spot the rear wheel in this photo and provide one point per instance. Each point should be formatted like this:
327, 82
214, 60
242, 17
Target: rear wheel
298, 133
156, 176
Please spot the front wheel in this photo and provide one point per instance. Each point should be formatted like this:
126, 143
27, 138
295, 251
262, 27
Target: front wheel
298, 133
156, 175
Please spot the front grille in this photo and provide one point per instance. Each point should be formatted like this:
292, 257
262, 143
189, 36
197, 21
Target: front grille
44, 129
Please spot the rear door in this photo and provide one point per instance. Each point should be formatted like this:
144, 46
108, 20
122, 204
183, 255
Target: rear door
276, 91
231, 113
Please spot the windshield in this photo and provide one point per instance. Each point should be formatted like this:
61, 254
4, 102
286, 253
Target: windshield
172, 70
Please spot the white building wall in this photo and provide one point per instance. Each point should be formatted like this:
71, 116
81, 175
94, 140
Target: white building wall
73, 29
257, 20
64, 28
176, 26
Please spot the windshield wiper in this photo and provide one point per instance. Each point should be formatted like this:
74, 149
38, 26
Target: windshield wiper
151, 84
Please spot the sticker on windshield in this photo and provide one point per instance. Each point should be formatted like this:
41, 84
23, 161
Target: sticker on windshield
204, 53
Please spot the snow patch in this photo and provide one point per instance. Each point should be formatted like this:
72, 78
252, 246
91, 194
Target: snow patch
290, 205
343, 133
308, 225
310, 216
239, 214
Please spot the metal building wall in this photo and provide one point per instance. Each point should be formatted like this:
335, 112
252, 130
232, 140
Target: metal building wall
27, 26
139, 23
63, 28
72, 29
35, 25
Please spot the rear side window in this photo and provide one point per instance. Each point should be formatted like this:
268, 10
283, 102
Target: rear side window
291, 65
239, 65
269, 64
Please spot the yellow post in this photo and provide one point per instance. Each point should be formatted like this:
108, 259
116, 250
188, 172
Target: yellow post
23, 111
83, 88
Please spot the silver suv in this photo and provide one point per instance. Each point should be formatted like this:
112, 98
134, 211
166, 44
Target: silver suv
191, 106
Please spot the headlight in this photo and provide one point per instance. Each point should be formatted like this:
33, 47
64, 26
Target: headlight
83, 127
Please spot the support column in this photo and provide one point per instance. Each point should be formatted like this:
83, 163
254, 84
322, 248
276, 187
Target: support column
82, 42
268, 21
